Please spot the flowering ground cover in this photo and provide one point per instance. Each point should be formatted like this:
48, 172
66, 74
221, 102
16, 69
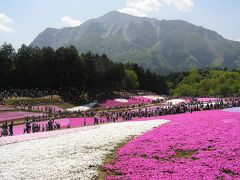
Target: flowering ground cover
175, 101
47, 107
114, 103
73, 122
207, 99
201, 145
5, 108
8, 116
71, 155
18, 129
83, 107
154, 97
149, 108
147, 99
121, 100
41, 135
236, 109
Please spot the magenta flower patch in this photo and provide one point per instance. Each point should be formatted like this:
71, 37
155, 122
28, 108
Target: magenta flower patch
114, 103
207, 99
202, 145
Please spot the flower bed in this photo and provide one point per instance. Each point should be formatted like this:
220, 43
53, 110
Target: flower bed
75, 155
202, 145
47, 108
114, 103
175, 101
83, 107
207, 99
73, 122
41, 135
148, 99
121, 100
18, 129
5, 108
236, 109
8, 116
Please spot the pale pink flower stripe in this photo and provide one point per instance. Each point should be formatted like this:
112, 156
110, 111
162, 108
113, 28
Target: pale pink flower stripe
236, 109
73, 122
8, 116
113, 103
202, 145
142, 99
41, 135
5, 108
18, 129
208, 99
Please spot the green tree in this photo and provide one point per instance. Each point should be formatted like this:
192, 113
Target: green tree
7, 55
131, 80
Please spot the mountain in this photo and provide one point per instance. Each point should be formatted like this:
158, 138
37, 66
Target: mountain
159, 45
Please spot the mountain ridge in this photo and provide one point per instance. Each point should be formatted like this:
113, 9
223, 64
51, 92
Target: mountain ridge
159, 45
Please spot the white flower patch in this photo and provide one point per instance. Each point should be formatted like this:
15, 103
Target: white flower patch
68, 156
154, 97
121, 100
83, 108
175, 101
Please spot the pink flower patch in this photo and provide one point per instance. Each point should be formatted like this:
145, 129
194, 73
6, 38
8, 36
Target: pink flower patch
201, 145
114, 103
8, 116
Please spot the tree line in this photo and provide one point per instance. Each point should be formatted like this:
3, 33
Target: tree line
32, 67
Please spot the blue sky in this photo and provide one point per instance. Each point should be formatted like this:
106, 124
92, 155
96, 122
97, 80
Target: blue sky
22, 20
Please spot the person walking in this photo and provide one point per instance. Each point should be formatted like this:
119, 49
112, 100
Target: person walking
95, 120
4, 129
11, 129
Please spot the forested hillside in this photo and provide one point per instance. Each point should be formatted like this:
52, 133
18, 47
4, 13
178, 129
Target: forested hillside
32, 67
207, 83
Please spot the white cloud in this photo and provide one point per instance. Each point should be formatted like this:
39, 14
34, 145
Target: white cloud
5, 23
144, 7
140, 7
238, 40
70, 21
182, 5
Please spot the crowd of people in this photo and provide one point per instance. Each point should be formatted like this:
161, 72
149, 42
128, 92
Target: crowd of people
101, 117
7, 130
113, 116
35, 127
116, 114
31, 93
31, 127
